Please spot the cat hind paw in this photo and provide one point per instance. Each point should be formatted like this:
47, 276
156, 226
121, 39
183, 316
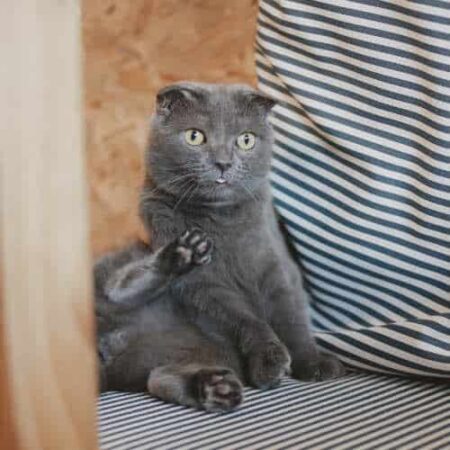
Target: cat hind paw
217, 389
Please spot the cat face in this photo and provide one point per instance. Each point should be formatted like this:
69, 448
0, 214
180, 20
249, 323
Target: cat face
210, 141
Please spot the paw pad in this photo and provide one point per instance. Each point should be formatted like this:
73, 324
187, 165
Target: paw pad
194, 247
219, 390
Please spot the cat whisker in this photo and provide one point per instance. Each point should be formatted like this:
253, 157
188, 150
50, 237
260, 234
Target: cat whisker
172, 182
189, 166
184, 195
193, 192
176, 180
249, 192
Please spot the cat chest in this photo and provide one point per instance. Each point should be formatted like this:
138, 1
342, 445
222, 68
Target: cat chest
246, 270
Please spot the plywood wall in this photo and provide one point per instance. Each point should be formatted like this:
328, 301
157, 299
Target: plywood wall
132, 49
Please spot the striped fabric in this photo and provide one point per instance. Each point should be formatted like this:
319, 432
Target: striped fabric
361, 171
357, 412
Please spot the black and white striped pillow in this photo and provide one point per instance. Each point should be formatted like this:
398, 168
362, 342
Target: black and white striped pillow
361, 171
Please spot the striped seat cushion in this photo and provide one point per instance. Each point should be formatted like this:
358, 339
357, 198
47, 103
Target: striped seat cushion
356, 412
361, 171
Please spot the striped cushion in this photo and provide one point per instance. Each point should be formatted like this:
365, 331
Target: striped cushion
357, 412
361, 171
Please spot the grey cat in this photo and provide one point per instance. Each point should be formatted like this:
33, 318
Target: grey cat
205, 311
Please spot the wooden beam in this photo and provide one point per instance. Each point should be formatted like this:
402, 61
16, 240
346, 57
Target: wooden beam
48, 382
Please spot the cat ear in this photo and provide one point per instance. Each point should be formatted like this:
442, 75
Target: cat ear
174, 97
261, 101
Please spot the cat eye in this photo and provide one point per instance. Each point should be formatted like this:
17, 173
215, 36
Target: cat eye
246, 141
194, 137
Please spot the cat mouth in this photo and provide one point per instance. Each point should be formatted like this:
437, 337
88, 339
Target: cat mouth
221, 180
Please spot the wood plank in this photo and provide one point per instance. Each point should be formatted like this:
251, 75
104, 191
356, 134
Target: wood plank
48, 389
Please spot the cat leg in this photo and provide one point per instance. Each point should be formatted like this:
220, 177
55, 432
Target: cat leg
151, 274
213, 388
110, 345
291, 323
267, 359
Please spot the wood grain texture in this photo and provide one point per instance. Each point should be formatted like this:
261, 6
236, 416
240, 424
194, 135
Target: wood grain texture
132, 49
48, 383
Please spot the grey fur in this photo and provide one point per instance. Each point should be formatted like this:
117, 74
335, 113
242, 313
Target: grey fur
245, 312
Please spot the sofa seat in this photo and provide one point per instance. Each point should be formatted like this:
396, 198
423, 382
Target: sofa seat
360, 411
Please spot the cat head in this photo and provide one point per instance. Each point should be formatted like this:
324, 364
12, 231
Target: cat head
210, 141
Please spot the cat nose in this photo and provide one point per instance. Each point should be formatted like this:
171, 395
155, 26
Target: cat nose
223, 165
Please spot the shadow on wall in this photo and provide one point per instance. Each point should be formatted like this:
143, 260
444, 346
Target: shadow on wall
132, 49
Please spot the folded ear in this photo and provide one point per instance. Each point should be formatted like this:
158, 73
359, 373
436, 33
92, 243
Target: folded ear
174, 97
261, 101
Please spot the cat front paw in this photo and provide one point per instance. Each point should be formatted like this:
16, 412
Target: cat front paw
268, 363
322, 368
192, 248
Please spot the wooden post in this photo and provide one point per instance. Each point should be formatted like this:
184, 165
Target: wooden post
47, 363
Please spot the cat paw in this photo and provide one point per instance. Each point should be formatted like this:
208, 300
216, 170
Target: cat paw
268, 364
326, 367
109, 345
217, 389
192, 248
